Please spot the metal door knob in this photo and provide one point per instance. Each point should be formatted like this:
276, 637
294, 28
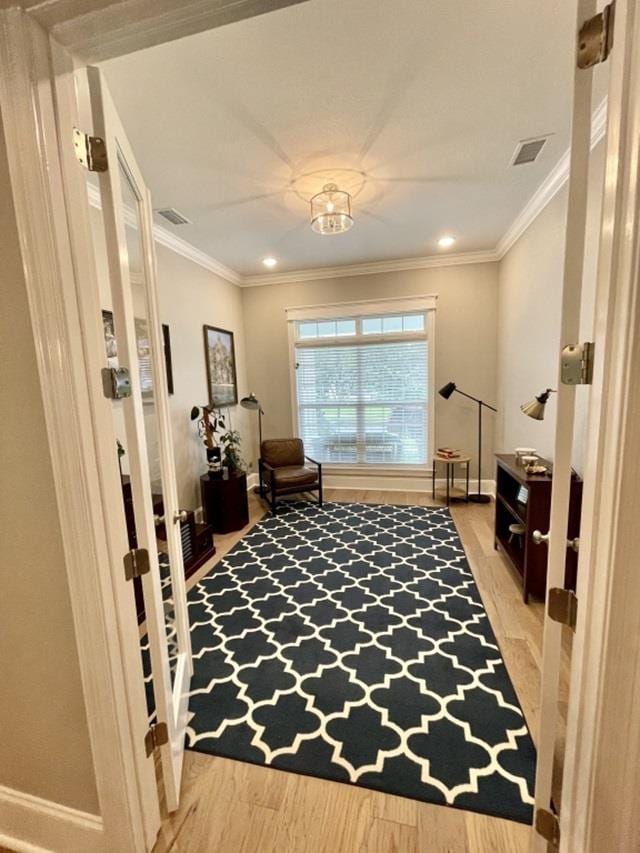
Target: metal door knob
539, 537
181, 515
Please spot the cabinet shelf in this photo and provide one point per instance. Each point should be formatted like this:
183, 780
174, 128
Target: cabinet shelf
527, 558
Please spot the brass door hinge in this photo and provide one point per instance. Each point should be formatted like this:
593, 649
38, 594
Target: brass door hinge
157, 735
576, 364
136, 563
548, 826
562, 606
91, 151
116, 382
595, 38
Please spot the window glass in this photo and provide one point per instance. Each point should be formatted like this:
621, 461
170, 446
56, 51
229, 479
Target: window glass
327, 329
372, 326
391, 324
307, 330
413, 323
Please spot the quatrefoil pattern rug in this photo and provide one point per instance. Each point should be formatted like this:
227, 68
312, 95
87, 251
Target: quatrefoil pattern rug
350, 642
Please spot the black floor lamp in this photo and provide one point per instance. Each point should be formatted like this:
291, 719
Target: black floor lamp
446, 391
253, 404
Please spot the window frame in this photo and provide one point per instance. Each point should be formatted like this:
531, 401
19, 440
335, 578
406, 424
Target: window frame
358, 311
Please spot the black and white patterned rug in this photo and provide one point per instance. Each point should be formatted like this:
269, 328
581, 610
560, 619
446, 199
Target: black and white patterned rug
350, 642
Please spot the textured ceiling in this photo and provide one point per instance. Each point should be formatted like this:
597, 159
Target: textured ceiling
415, 107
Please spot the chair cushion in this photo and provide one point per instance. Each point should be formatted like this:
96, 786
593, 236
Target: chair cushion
295, 475
279, 452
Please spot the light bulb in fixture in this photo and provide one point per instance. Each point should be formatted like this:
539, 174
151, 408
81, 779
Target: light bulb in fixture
446, 241
331, 211
269, 262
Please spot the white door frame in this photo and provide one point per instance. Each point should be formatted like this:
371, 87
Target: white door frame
602, 766
36, 100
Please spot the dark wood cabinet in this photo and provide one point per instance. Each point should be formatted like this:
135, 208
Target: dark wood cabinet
196, 540
225, 501
525, 499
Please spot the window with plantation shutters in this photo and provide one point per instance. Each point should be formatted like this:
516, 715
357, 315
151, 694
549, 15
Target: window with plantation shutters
362, 389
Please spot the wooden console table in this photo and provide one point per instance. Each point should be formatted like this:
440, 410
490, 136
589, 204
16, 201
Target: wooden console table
525, 499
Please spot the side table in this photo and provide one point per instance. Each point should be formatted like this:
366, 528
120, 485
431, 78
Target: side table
225, 502
451, 493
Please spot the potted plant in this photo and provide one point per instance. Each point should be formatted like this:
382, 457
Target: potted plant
222, 444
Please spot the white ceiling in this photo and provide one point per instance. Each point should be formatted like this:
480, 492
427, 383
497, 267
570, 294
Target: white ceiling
415, 106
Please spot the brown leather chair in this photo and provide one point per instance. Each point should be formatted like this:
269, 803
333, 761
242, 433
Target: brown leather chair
283, 470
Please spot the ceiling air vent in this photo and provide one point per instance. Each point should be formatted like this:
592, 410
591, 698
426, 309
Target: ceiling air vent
173, 216
528, 150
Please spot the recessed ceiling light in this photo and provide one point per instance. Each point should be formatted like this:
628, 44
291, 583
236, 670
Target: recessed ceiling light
445, 242
269, 262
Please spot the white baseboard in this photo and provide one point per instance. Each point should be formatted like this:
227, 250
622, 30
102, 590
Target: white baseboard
399, 483
252, 481
30, 824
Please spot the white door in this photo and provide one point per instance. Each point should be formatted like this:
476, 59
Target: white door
143, 428
548, 819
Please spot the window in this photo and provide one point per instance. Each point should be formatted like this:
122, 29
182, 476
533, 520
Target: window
362, 388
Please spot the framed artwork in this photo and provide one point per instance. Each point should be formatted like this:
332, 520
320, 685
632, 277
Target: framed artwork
220, 358
144, 352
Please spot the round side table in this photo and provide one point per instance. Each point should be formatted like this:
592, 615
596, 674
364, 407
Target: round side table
451, 493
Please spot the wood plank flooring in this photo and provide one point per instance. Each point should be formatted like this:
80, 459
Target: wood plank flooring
231, 807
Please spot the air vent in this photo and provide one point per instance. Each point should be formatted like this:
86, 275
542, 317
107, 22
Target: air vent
173, 216
528, 150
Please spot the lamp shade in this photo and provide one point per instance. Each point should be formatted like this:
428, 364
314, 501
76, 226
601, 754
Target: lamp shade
447, 390
250, 402
331, 211
536, 407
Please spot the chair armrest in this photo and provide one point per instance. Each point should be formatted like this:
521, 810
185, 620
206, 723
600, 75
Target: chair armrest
265, 465
313, 461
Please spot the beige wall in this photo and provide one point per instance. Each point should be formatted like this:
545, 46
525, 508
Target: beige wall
465, 349
530, 291
44, 740
190, 296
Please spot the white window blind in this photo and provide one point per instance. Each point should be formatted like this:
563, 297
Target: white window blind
365, 401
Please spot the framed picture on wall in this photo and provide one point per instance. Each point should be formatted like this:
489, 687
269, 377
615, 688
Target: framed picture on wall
220, 358
144, 352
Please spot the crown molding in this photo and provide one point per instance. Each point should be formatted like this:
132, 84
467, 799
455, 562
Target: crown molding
551, 186
347, 270
176, 244
547, 190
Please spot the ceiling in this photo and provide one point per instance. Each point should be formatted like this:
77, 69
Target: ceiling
415, 107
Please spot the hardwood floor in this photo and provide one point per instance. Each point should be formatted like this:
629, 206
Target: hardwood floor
228, 806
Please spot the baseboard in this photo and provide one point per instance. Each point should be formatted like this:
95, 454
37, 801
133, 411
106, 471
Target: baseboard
252, 481
30, 824
399, 483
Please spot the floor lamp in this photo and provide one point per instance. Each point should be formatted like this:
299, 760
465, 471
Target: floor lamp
446, 391
253, 404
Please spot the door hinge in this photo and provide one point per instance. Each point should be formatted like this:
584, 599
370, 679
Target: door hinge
576, 364
562, 606
91, 151
595, 38
136, 563
548, 826
157, 735
116, 382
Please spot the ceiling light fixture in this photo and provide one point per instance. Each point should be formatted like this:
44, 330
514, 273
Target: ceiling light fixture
331, 211
269, 262
445, 242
